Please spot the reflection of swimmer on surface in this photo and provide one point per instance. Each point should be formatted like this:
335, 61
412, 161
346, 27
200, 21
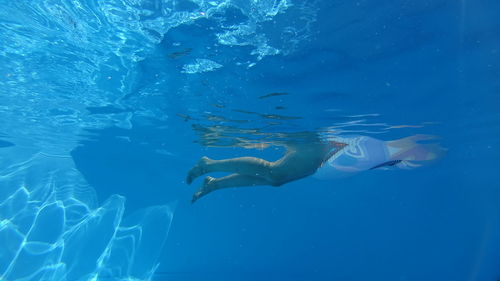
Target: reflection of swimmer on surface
330, 158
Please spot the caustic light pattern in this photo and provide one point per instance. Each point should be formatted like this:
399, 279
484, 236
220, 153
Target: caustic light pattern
52, 229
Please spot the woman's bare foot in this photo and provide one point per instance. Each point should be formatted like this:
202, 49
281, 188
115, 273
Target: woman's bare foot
198, 170
207, 187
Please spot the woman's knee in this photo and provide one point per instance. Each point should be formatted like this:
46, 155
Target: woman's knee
276, 178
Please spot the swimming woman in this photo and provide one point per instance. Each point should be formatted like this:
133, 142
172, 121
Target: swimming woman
329, 158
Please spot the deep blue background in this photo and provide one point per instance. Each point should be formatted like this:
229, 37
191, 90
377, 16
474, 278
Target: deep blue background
431, 61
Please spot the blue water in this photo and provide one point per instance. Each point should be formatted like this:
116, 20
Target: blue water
105, 106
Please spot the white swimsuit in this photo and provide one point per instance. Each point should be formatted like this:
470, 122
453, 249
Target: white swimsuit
365, 153
361, 154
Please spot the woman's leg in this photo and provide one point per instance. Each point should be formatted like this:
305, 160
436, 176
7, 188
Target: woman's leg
250, 166
299, 161
234, 180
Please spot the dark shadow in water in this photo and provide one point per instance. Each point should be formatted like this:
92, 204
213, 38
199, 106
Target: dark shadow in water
272, 95
268, 116
5, 143
180, 53
117, 161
